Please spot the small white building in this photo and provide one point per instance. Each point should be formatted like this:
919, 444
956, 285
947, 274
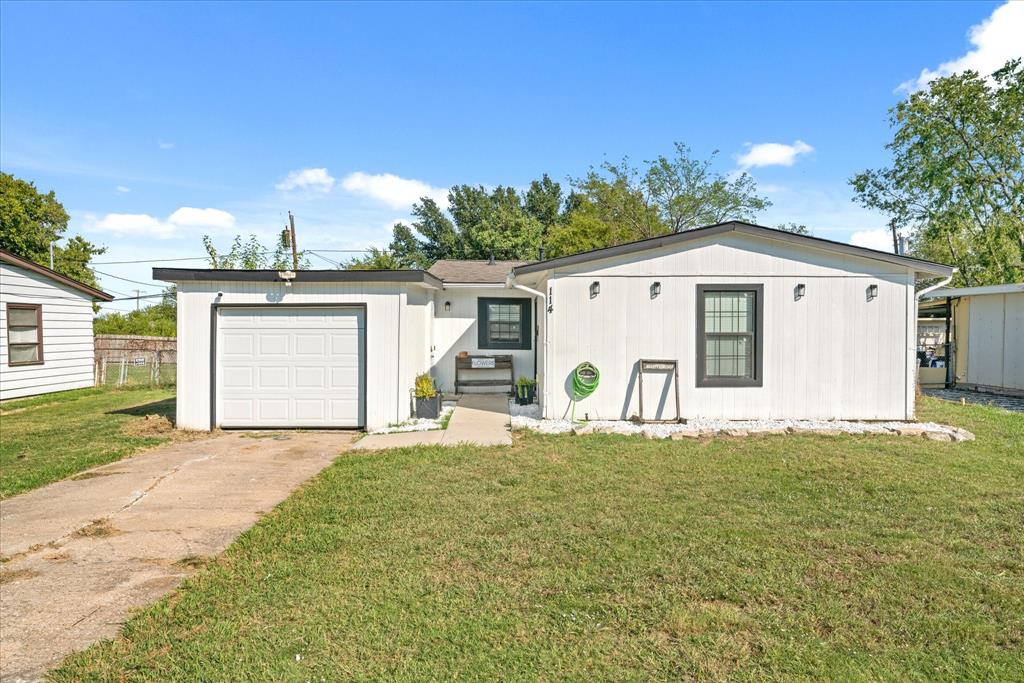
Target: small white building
46, 341
987, 334
760, 323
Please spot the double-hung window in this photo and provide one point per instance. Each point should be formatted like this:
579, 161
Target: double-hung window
729, 329
503, 323
24, 334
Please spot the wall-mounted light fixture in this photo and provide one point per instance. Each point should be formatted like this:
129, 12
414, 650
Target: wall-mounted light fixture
799, 291
447, 306
595, 289
872, 292
655, 289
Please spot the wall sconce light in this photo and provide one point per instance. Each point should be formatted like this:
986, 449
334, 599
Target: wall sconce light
655, 289
799, 291
872, 292
447, 306
595, 289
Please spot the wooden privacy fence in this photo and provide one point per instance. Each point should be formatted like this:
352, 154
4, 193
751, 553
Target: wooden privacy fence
126, 359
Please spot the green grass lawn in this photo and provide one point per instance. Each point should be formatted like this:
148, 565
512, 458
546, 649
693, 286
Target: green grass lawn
617, 558
50, 437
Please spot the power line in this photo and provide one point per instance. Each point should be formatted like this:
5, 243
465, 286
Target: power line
151, 260
117, 277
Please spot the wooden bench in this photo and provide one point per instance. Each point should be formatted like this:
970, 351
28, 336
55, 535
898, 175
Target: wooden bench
479, 363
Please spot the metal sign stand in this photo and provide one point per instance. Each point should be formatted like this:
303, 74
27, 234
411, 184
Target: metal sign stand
660, 366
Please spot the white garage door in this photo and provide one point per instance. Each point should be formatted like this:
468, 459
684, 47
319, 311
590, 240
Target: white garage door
290, 367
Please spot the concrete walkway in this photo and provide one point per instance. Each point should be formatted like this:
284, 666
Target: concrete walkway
85, 552
478, 420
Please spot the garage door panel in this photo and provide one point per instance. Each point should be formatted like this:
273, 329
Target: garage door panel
310, 344
238, 377
291, 367
235, 344
273, 344
272, 378
237, 410
311, 377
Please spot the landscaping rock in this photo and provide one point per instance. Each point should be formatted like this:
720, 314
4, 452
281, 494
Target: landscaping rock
909, 430
689, 434
962, 435
735, 432
938, 436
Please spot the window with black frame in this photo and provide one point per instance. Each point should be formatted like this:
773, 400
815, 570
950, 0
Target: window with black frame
503, 323
729, 326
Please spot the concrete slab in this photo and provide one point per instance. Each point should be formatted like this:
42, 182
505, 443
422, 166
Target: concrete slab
84, 552
378, 442
480, 420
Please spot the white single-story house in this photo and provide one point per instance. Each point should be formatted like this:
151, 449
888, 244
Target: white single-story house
986, 331
46, 341
760, 323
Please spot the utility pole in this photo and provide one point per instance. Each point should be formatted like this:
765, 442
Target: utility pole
295, 251
138, 294
51, 255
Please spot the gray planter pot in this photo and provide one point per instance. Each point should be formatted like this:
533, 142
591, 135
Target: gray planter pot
428, 408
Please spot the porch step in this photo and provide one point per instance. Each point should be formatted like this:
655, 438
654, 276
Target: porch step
485, 382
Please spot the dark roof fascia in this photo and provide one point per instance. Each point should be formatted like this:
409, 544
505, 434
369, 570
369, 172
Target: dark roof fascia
208, 275
16, 260
735, 226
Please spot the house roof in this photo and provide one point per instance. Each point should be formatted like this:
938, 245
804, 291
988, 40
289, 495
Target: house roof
15, 260
919, 265
212, 275
473, 272
976, 291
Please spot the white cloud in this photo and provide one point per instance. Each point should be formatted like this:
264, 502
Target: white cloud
121, 189
187, 216
772, 154
144, 225
880, 239
396, 192
165, 145
317, 179
996, 40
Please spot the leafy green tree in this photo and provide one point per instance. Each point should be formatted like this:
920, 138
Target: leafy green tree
156, 320
377, 259
30, 221
956, 181
544, 202
250, 254
665, 195
794, 228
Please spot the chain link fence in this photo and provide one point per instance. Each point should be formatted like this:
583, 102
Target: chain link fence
120, 372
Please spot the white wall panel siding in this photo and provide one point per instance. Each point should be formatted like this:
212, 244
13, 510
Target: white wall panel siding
389, 353
995, 343
456, 330
832, 354
67, 335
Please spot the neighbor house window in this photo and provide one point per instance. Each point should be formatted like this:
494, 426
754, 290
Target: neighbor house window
729, 326
503, 323
24, 334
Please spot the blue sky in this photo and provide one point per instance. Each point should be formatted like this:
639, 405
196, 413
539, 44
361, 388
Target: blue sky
157, 123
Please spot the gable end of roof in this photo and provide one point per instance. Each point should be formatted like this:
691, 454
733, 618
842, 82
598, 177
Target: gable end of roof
15, 260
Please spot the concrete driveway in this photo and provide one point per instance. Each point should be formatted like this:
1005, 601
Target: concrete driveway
82, 554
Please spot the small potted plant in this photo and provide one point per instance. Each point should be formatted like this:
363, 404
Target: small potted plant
428, 400
526, 391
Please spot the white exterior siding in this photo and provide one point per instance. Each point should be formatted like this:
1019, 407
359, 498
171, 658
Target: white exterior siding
392, 356
67, 335
995, 344
832, 354
456, 330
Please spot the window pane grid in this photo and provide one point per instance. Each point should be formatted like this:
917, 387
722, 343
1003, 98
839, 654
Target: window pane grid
24, 334
729, 320
503, 323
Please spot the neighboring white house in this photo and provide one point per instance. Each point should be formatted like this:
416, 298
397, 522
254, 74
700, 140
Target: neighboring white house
987, 333
762, 323
46, 341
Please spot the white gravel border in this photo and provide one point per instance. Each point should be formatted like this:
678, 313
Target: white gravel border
528, 417
419, 424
